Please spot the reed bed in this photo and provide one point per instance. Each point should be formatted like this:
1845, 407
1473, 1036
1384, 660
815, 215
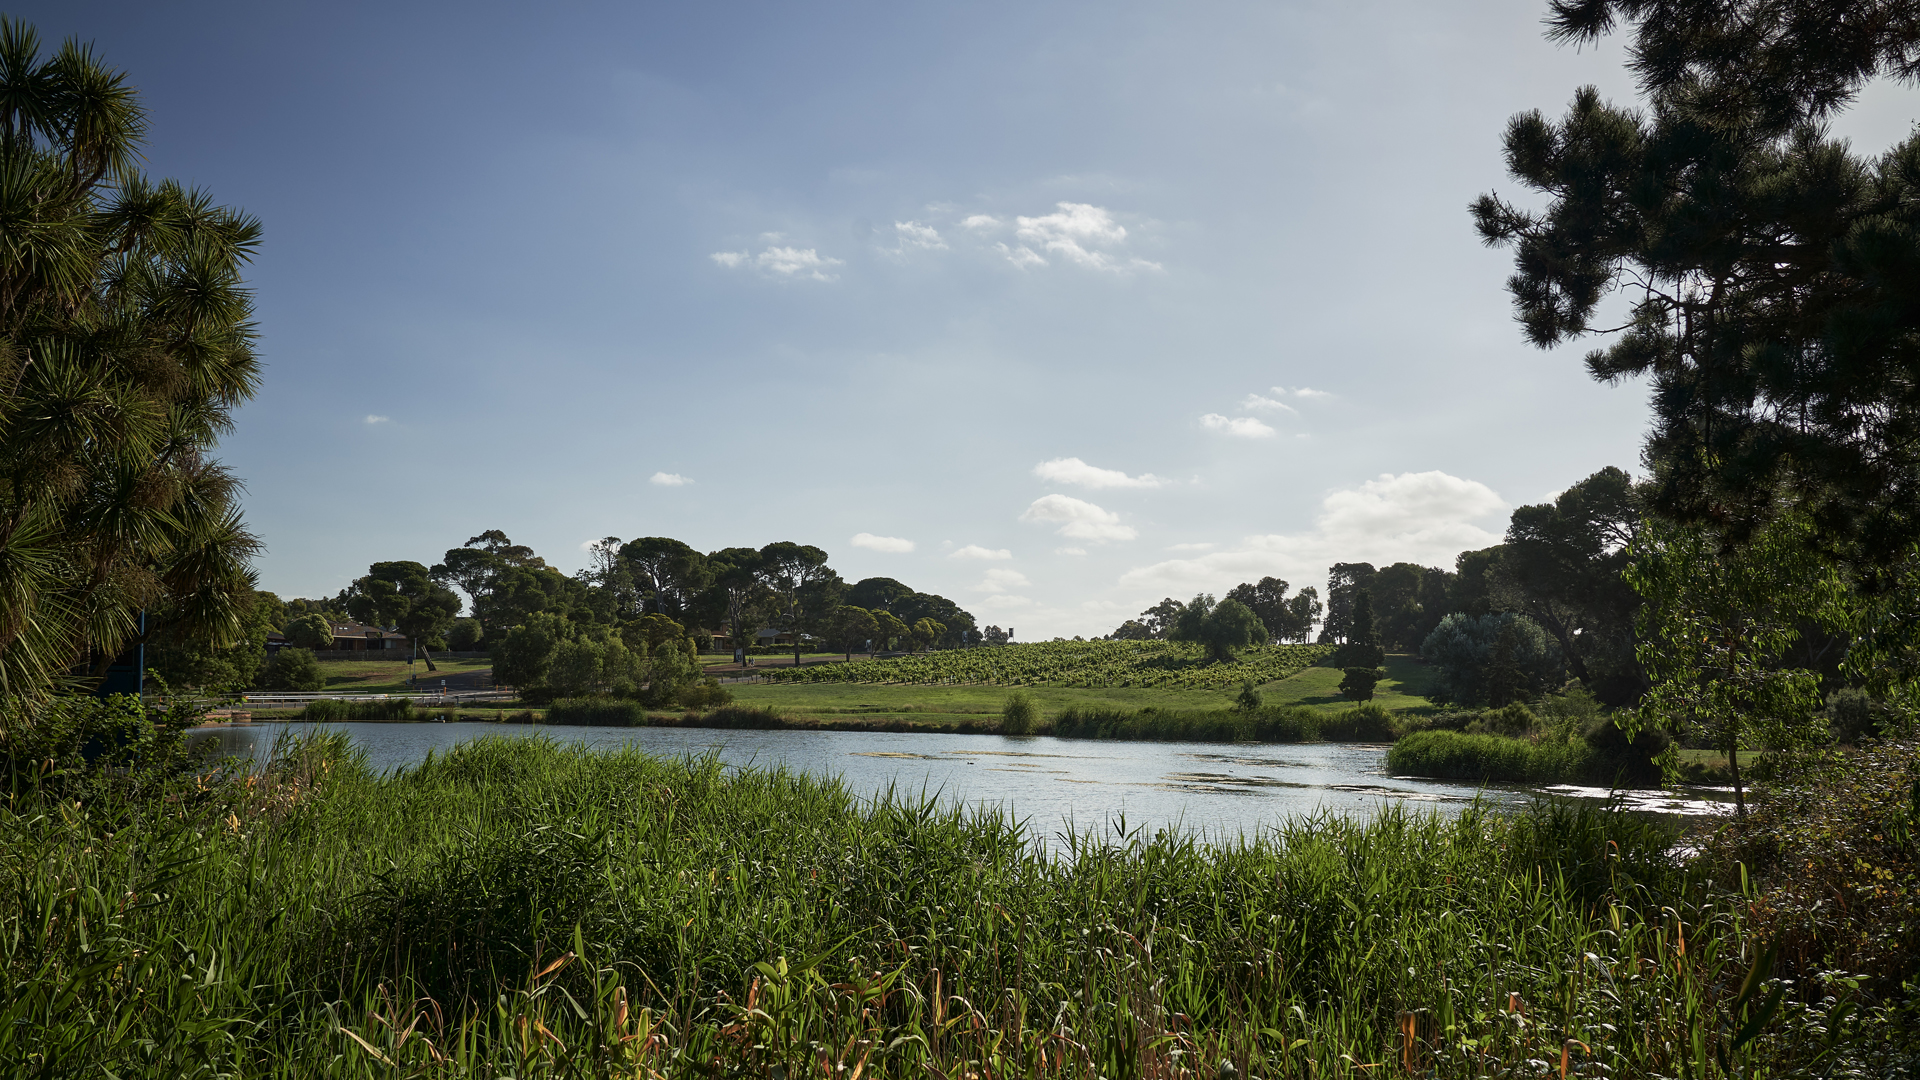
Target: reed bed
517, 907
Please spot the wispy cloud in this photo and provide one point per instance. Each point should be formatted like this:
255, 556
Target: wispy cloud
890, 544
1074, 471
376, 419
1000, 580
668, 479
1193, 547
1256, 403
1426, 518
975, 551
788, 262
1245, 427
1077, 519
914, 236
1301, 392
1081, 233
1069, 551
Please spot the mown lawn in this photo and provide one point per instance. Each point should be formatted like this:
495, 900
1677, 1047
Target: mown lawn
390, 676
1402, 689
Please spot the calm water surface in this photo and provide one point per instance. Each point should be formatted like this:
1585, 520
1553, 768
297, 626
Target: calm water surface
1055, 784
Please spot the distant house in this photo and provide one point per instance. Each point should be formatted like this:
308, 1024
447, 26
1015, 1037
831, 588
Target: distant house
770, 636
359, 637
275, 641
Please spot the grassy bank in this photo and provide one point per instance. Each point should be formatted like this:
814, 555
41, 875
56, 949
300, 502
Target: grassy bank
1401, 691
390, 676
520, 908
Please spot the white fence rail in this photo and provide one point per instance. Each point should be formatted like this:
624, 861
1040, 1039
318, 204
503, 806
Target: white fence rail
420, 697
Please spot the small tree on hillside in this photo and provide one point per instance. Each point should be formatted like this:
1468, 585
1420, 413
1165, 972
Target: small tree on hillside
1363, 638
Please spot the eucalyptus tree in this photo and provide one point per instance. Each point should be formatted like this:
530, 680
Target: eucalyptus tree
126, 339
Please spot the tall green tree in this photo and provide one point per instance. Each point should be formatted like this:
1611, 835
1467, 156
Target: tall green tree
404, 596
126, 339
1716, 626
798, 576
1267, 599
1563, 567
667, 573
1771, 276
1223, 628
1344, 581
737, 594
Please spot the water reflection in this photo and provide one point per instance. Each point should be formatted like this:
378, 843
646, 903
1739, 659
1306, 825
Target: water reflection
1052, 783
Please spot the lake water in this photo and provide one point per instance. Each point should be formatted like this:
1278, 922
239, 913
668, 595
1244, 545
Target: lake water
1215, 790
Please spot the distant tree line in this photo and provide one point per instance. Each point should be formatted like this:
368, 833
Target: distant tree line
632, 620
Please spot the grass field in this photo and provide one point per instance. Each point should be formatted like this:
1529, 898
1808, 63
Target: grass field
1401, 690
390, 676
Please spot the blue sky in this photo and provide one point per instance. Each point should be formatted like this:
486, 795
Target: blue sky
1054, 309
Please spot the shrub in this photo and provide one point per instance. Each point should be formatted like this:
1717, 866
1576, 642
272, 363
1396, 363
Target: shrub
292, 668
1248, 699
1513, 721
1851, 716
1358, 683
705, 694
1472, 656
597, 712
1016, 716
1832, 849
1367, 722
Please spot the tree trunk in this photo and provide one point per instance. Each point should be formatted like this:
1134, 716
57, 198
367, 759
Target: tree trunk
1733, 767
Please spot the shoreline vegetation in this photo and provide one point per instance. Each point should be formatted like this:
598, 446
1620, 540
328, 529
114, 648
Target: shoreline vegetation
516, 906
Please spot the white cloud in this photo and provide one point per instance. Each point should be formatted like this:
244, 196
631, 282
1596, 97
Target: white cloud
1077, 232
668, 479
782, 261
1078, 520
1006, 602
982, 221
1193, 547
1426, 518
1304, 391
1256, 403
1021, 257
975, 551
914, 235
890, 544
1069, 551
999, 580
1074, 471
373, 419
1245, 427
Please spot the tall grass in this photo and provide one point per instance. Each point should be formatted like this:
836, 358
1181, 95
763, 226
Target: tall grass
1453, 755
518, 907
